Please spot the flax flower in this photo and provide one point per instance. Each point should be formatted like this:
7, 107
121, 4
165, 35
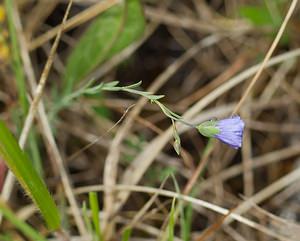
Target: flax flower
229, 131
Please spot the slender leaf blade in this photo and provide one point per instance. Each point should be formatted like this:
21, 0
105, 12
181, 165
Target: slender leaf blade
22, 226
93, 199
172, 220
110, 33
126, 234
17, 67
16, 59
21, 166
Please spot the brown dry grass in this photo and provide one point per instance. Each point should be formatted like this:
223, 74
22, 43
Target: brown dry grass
201, 56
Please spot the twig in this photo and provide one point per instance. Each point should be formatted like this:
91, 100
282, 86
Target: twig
186, 198
140, 164
40, 88
9, 181
193, 24
100, 137
48, 135
111, 162
267, 192
73, 22
267, 57
258, 162
248, 176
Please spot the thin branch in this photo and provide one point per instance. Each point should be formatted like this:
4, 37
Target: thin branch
267, 57
73, 22
47, 131
195, 201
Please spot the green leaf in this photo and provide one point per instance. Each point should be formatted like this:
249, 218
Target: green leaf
110, 33
208, 128
258, 15
111, 84
22, 226
172, 220
102, 111
17, 67
177, 142
34, 152
138, 84
86, 218
93, 200
159, 174
267, 13
186, 222
16, 59
126, 234
19, 163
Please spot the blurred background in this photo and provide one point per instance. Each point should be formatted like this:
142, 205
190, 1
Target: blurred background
201, 55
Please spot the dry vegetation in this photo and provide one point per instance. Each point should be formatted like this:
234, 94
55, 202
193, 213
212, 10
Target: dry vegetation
202, 55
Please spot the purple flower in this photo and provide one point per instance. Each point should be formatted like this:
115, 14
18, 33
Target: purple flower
229, 131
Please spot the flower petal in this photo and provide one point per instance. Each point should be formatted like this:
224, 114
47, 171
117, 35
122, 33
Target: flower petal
231, 131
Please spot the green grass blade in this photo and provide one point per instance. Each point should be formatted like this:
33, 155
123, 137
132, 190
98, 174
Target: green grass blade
35, 153
126, 234
21, 83
108, 34
186, 222
19, 163
86, 218
171, 223
16, 59
6, 237
22, 226
93, 200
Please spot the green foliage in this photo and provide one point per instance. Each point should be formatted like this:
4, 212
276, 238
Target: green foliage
158, 173
88, 89
172, 220
93, 223
110, 33
87, 220
113, 86
22, 226
6, 237
126, 234
267, 14
21, 86
95, 90
177, 141
135, 145
35, 152
16, 59
208, 128
19, 163
186, 222
102, 111
258, 15
93, 200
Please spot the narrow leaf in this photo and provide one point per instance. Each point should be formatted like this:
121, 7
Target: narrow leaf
20, 82
86, 218
16, 59
110, 33
177, 142
171, 224
93, 199
22, 226
126, 234
133, 85
21, 166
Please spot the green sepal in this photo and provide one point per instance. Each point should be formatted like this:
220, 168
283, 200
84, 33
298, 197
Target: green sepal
208, 128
